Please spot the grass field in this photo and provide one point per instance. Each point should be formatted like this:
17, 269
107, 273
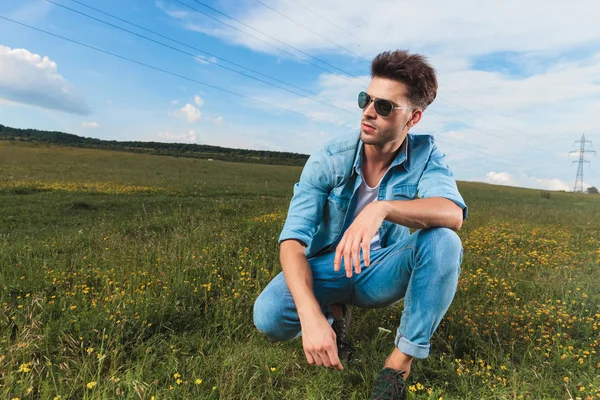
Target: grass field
133, 276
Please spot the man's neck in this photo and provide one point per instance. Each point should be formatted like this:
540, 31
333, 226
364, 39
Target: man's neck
378, 158
376, 161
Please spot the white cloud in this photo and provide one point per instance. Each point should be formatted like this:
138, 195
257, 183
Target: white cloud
31, 79
8, 102
190, 137
218, 121
198, 100
500, 178
175, 102
206, 60
189, 112
504, 178
90, 125
553, 184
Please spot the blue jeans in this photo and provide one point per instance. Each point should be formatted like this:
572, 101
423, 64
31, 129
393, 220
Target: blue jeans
423, 270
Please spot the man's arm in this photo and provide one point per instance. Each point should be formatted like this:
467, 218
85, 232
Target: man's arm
423, 213
318, 338
418, 214
304, 217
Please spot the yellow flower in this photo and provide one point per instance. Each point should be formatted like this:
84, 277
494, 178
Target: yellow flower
57, 397
90, 350
24, 368
412, 388
179, 381
90, 385
198, 381
273, 369
176, 375
72, 307
566, 379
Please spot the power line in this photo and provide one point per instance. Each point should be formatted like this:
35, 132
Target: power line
311, 30
168, 72
194, 55
270, 37
197, 49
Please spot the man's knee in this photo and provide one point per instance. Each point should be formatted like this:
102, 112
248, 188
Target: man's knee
442, 244
268, 316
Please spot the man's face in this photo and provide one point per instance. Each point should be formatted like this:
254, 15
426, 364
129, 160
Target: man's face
378, 130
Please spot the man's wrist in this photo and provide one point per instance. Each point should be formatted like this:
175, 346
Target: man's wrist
384, 208
309, 312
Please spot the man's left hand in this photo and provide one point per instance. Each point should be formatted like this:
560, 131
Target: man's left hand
358, 236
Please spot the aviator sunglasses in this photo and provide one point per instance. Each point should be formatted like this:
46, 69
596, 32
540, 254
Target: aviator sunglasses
383, 107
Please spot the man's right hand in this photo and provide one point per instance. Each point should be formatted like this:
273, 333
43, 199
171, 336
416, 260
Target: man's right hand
319, 342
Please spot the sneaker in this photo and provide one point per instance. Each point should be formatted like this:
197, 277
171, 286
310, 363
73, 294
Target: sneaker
340, 327
389, 385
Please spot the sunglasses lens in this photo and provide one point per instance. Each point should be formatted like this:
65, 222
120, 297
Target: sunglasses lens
363, 100
383, 107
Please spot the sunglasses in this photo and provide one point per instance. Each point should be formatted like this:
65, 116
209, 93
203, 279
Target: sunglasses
383, 107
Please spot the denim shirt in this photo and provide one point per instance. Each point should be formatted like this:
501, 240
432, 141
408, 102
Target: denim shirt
324, 198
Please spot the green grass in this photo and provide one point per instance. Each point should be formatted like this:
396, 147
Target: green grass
136, 271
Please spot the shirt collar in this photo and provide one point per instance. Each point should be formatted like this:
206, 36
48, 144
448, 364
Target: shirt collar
401, 157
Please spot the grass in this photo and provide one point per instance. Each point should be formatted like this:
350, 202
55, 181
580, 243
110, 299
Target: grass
133, 276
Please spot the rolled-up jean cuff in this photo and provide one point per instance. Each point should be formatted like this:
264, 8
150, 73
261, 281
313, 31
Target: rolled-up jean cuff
410, 348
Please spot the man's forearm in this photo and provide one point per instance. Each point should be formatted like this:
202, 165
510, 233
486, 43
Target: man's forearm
423, 213
298, 276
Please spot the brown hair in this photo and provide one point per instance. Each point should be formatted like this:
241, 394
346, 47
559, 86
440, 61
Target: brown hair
411, 69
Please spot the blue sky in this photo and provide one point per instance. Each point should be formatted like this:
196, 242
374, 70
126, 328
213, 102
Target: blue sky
516, 90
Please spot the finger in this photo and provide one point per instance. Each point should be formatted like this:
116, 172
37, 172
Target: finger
347, 262
356, 255
325, 359
366, 251
309, 357
335, 359
317, 359
338, 254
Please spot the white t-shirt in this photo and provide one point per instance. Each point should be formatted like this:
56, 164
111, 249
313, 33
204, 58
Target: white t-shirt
366, 195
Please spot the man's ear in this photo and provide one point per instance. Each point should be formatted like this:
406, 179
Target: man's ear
415, 118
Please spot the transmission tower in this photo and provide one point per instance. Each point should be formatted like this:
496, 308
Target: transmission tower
578, 187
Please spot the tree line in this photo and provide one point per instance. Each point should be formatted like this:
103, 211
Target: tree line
156, 148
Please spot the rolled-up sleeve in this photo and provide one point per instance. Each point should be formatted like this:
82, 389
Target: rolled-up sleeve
438, 181
310, 193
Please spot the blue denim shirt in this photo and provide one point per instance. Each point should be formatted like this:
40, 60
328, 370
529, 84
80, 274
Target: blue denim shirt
324, 198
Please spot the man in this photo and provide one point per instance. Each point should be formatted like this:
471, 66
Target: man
346, 238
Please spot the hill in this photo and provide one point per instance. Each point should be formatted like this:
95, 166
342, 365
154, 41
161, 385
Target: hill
155, 148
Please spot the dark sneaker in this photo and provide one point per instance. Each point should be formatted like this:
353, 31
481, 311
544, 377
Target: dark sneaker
340, 327
389, 385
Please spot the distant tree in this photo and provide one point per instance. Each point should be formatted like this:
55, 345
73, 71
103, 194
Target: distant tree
592, 190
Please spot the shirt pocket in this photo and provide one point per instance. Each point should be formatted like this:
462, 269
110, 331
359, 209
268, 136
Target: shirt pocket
337, 202
404, 191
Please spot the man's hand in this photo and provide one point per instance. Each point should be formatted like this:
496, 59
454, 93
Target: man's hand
358, 236
318, 340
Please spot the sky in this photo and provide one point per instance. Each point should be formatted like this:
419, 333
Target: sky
519, 81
